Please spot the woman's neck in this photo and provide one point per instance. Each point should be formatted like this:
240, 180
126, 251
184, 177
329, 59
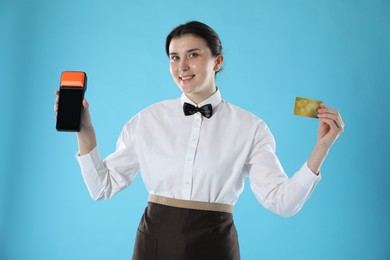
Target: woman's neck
200, 97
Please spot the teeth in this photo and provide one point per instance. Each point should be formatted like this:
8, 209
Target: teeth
186, 78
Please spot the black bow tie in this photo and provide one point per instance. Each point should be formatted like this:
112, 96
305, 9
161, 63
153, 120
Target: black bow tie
206, 110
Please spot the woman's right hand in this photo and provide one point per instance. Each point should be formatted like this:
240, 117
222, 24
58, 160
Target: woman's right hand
86, 137
86, 122
85, 116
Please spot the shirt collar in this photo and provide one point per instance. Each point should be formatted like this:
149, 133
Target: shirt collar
214, 100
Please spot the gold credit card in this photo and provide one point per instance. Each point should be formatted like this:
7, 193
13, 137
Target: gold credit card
306, 107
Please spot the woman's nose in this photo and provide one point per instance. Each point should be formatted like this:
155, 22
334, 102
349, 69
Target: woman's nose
183, 65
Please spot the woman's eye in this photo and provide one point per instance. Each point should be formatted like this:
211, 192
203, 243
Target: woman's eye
193, 55
174, 58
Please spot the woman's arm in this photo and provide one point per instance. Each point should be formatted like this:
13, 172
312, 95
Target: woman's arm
86, 137
330, 128
104, 178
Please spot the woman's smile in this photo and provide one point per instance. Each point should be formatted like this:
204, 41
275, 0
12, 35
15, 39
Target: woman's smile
186, 78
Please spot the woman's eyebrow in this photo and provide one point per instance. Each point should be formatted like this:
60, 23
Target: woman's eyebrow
190, 50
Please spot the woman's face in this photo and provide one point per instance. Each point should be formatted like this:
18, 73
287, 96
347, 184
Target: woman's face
193, 67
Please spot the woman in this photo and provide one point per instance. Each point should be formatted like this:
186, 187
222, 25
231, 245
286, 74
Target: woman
194, 153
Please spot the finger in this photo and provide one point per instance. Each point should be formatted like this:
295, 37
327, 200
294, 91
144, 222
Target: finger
326, 109
56, 104
334, 128
327, 112
85, 104
333, 118
57, 93
332, 115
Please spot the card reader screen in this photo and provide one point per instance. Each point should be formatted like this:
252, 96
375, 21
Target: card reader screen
69, 109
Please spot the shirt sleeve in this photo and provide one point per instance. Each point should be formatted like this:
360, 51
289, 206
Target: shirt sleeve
105, 178
270, 184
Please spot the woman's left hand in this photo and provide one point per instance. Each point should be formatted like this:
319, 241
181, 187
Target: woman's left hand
331, 126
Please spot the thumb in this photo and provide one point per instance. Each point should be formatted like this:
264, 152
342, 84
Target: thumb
85, 104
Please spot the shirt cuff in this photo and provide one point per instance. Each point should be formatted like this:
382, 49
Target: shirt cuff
90, 160
306, 177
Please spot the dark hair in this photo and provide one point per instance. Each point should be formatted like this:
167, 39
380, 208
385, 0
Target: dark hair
200, 30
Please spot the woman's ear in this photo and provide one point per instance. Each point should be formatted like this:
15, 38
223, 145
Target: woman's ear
218, 63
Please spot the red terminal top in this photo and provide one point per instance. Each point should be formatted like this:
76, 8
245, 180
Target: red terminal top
72, 79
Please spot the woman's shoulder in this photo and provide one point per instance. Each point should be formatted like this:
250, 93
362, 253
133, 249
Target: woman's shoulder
161, 109
248, 121
239, 112
162, 106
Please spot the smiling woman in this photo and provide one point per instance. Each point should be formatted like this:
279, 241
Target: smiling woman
195, 165
194, 50
193, 67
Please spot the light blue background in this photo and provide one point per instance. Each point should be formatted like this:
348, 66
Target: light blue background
337, 51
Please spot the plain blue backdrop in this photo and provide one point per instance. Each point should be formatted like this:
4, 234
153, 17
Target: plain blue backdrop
337, 51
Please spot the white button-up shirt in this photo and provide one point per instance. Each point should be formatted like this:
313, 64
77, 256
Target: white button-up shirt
198, 158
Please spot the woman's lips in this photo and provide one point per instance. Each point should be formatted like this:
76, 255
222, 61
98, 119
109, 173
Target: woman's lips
187, 78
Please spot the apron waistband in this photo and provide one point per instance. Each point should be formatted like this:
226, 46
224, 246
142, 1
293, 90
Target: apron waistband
190, 204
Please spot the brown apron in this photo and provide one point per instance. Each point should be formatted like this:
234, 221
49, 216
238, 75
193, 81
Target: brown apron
175, 233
